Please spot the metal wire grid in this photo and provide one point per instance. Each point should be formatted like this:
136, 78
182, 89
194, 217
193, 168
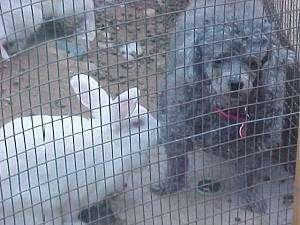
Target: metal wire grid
35, 82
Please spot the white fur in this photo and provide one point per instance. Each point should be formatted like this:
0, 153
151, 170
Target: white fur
60, 164
20, 18
83, 9
17, 23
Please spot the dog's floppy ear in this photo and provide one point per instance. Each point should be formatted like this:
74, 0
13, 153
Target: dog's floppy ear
198, 66
284, 56
290, 57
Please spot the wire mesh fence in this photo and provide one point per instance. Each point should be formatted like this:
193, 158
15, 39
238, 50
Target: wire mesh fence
148, 111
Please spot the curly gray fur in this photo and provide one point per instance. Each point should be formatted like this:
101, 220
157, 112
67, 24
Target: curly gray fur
223, 55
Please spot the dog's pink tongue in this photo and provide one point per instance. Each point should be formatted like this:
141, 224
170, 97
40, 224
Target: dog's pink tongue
233, 114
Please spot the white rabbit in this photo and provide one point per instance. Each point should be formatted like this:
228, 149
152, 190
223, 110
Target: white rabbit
18, 23
83, 9
51, 167
19, 19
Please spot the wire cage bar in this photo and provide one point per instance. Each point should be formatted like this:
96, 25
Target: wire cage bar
149, 112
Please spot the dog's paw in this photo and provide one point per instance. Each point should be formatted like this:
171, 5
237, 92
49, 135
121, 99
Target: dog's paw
100, 212
253, 202
166, 187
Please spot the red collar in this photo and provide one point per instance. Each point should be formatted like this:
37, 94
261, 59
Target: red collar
225, 114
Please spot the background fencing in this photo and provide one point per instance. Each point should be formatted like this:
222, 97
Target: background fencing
92, 168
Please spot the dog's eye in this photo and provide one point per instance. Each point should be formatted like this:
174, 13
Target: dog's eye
136, 122
253, 63
218, 62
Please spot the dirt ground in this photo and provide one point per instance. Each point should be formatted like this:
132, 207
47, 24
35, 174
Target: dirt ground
37, 82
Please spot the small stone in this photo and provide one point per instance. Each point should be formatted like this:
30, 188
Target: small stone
150, 12
237, 219
7, 100
131, 50
92, 66
103, 45
124, 66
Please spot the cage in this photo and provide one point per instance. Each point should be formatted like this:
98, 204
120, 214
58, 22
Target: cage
148, 111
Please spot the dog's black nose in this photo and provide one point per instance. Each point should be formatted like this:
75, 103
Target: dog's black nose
235, 85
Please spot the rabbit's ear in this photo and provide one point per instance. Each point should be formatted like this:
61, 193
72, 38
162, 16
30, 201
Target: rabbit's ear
128, 102
87, 90
4, 53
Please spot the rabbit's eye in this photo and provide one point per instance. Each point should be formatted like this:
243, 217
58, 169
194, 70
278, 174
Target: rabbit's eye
136, 122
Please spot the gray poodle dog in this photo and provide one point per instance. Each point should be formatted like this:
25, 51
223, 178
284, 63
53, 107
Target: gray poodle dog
224, 89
